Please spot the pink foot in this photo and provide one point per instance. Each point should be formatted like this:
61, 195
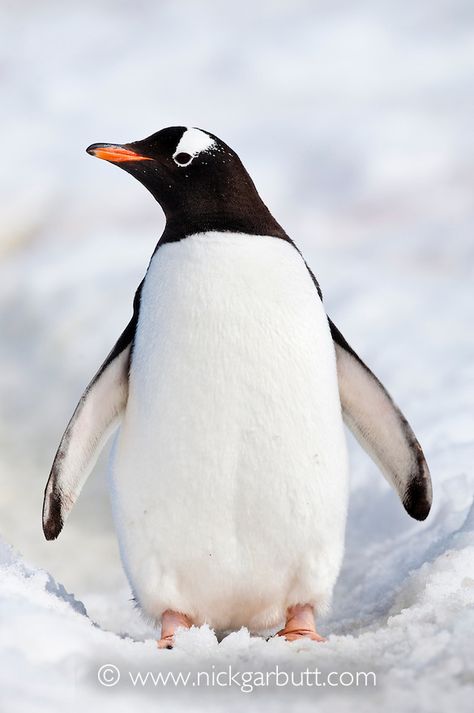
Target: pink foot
170, 621
300, 624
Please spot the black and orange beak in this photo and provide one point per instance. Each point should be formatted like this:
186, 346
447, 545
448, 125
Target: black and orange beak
116, 153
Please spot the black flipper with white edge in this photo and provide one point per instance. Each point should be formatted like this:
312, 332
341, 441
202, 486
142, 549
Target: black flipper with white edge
97, 415
381, 429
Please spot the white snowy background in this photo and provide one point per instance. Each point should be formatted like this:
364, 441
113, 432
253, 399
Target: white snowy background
356, 122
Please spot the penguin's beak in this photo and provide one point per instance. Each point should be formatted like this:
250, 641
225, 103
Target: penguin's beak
116, 153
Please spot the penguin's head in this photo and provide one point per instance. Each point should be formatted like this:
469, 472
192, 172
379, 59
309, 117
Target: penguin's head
198, 180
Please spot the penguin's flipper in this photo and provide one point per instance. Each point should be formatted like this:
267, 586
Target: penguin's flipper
97, 415
95, 418
381, 429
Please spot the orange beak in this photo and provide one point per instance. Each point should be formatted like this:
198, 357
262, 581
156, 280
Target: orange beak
115, 153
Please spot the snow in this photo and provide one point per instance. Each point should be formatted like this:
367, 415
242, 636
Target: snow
355, 123
49, 641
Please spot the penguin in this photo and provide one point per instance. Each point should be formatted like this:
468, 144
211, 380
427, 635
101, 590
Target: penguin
227, 392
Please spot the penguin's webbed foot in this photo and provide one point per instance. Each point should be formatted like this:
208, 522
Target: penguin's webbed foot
170, 622
300, 624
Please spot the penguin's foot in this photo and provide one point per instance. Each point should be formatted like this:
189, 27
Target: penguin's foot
170, 621
300, 624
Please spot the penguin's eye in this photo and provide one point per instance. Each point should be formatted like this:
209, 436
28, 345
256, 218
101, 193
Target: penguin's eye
182, 159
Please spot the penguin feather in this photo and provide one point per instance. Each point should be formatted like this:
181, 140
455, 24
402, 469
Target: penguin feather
95, 418
381, 429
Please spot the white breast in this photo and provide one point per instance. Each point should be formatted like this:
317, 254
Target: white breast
230, 473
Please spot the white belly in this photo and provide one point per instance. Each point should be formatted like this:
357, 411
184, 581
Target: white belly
229, 479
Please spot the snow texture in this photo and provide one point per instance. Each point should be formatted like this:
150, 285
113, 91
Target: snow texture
355, 121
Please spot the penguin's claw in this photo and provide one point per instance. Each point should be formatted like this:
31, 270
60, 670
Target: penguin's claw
166, 642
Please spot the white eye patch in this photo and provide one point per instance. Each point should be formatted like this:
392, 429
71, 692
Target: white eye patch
192, 143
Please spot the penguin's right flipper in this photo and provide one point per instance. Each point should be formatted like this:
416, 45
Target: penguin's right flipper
381, 429
97, 415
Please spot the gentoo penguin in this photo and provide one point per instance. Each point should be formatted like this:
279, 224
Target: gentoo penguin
230, 385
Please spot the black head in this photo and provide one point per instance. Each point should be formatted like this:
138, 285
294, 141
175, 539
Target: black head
198, 180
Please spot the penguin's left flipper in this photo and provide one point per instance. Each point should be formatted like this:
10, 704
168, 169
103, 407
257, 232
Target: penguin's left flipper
381, 429
97, 415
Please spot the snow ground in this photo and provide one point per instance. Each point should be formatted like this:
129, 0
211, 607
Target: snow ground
355, 121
